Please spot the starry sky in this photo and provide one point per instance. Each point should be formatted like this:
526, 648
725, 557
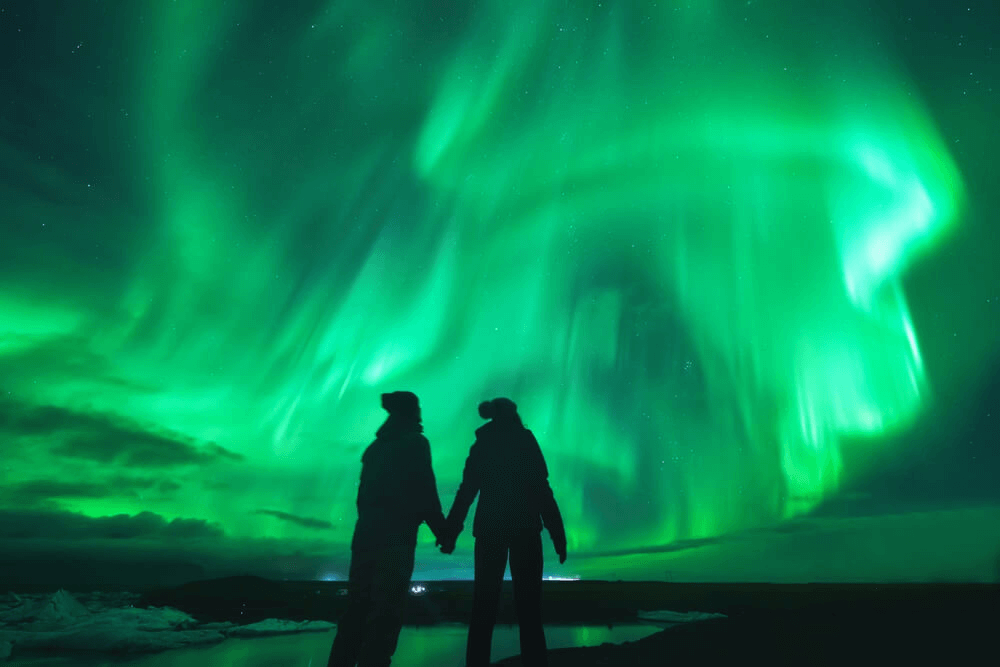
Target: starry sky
735, 261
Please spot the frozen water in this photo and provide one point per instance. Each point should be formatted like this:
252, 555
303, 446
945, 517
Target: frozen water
108, 639
441, 645
60, 622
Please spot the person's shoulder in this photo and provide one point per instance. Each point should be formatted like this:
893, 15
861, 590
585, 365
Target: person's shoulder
372, 450
485, 434
530, 444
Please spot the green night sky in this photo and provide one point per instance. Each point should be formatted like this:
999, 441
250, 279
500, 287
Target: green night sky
736, 261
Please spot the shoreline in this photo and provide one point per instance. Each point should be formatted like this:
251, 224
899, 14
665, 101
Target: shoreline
563, 602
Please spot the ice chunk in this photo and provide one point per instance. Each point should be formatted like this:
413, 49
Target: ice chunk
58, 608
275, 626
59, 622
221, 627
158, 618
669, 618
146, 620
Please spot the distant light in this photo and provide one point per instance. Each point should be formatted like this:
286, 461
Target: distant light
329, 577
554, 578
417, 589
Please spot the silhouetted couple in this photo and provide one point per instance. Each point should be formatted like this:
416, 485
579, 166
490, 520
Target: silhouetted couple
398, 492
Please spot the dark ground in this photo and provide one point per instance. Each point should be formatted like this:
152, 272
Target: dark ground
816, 624
794, 638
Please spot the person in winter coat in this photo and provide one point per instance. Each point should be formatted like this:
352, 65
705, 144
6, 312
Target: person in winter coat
397, 493
506, 468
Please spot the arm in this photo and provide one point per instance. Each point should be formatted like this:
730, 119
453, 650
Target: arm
548, 508
471, 482
427, 488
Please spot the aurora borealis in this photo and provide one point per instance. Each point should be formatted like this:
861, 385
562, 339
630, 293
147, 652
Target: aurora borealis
736, 262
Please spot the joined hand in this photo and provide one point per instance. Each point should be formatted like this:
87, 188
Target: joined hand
447, 545
447, 539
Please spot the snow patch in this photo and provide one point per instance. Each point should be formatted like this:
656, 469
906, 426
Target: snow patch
60, 622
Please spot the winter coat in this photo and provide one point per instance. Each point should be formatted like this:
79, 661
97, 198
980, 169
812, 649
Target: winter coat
506, 468
398, 491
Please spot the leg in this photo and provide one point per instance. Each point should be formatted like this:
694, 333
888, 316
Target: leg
351, 625
390, 587
526, 571
491, 561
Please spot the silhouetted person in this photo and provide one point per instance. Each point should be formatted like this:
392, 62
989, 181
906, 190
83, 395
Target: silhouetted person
506, 468
397, 493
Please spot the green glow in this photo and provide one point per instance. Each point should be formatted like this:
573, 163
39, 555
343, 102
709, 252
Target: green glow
680, 250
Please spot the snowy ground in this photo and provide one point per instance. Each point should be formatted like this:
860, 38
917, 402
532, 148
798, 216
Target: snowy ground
109, 623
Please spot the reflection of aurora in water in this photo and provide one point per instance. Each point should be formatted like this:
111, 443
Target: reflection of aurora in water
418, 646
677, 241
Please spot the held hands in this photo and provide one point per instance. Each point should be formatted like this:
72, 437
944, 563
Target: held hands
447, 545
448, 537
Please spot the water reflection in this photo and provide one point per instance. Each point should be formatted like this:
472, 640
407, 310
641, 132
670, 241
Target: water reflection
439, 645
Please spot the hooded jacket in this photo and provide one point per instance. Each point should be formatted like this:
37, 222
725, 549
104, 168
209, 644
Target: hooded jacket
506, 468
398, 490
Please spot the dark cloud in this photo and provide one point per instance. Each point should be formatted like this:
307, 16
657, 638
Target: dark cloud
68, 526
44, 489
168, 486
52, 360
801, 525
217, 452
38, 492
131, 449
106, 438
305, 522
821, 531
47, 550
678, 545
